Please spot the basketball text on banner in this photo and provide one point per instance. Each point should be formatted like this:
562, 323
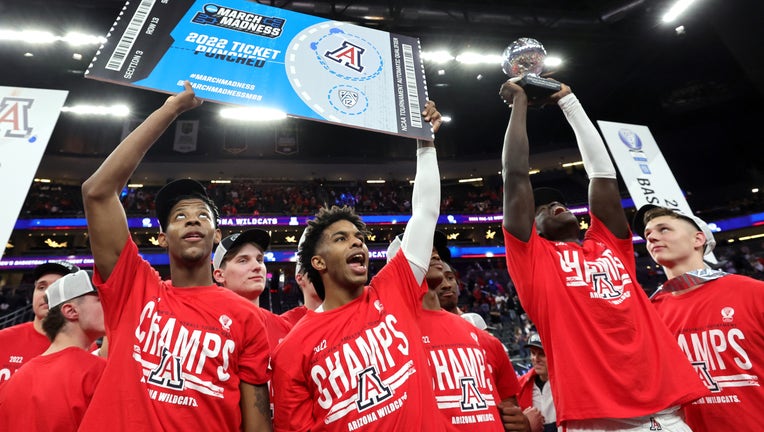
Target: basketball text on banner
27, 118
244, 53
643, 168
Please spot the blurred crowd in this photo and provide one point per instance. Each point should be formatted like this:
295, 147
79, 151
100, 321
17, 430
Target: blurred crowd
254, 198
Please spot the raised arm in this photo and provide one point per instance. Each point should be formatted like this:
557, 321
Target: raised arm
518, 194
425, 201
107, 223
604, 195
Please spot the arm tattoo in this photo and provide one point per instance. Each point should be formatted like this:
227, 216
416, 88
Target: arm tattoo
262, 400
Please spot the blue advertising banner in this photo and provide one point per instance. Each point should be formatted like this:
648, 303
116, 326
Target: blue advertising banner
243, 53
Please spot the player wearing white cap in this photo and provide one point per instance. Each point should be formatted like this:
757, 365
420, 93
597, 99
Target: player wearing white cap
53, 390
716, 317
23, 342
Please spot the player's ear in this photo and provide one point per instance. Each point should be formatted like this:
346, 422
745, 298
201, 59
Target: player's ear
162, 240
699, 241
69, 311
318, 263
217, 274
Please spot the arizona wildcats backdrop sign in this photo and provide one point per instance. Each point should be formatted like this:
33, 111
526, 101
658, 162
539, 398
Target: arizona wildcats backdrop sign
27, 118
243, 53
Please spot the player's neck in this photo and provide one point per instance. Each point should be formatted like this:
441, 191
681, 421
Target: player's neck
187, 276
37, 324
311, 303
69, 336
337, 296
566, 237
680, 267
430, 301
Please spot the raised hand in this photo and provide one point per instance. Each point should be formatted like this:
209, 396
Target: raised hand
432, 116
510, 91
183, 101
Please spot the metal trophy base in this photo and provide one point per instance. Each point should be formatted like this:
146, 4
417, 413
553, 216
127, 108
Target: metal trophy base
538, 88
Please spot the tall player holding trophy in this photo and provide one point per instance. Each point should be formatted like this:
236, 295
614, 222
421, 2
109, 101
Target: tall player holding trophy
612, 363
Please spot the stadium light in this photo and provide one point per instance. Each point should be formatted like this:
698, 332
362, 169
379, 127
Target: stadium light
46, 37
677, 9
473, 58
252, 114
437, 57
572, 164
103, 110
552, 61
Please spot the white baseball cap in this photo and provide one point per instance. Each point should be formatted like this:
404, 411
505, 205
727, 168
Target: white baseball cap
254, 235
69, 287
476, 320
639, 225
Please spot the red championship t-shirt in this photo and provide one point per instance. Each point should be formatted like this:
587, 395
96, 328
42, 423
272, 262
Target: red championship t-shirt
720, 327
176, 355
464, 387
360, 366
504, 375
295, 314
608, 352
51, 392
18, 345
276, 326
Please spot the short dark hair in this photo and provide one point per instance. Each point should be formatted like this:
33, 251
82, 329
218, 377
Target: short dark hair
313, 233
53, 322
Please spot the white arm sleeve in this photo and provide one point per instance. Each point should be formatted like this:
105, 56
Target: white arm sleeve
596, 159
425, 209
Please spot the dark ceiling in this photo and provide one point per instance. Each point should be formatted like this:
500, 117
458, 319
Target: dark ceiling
699, 91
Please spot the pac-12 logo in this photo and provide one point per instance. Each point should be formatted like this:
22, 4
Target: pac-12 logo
14, 117
348, 98
630, 138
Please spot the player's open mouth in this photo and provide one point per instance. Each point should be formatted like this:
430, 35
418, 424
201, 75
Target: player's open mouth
193, 236
358, 262
558, 210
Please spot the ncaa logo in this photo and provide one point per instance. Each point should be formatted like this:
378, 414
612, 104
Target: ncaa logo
630, 139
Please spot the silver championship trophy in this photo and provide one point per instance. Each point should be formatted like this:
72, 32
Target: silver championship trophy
524, 58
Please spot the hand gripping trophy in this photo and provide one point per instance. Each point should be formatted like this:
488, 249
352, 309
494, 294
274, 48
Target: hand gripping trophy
523, 62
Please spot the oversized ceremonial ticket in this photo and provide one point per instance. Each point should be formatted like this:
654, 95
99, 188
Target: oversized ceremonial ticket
243, 53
